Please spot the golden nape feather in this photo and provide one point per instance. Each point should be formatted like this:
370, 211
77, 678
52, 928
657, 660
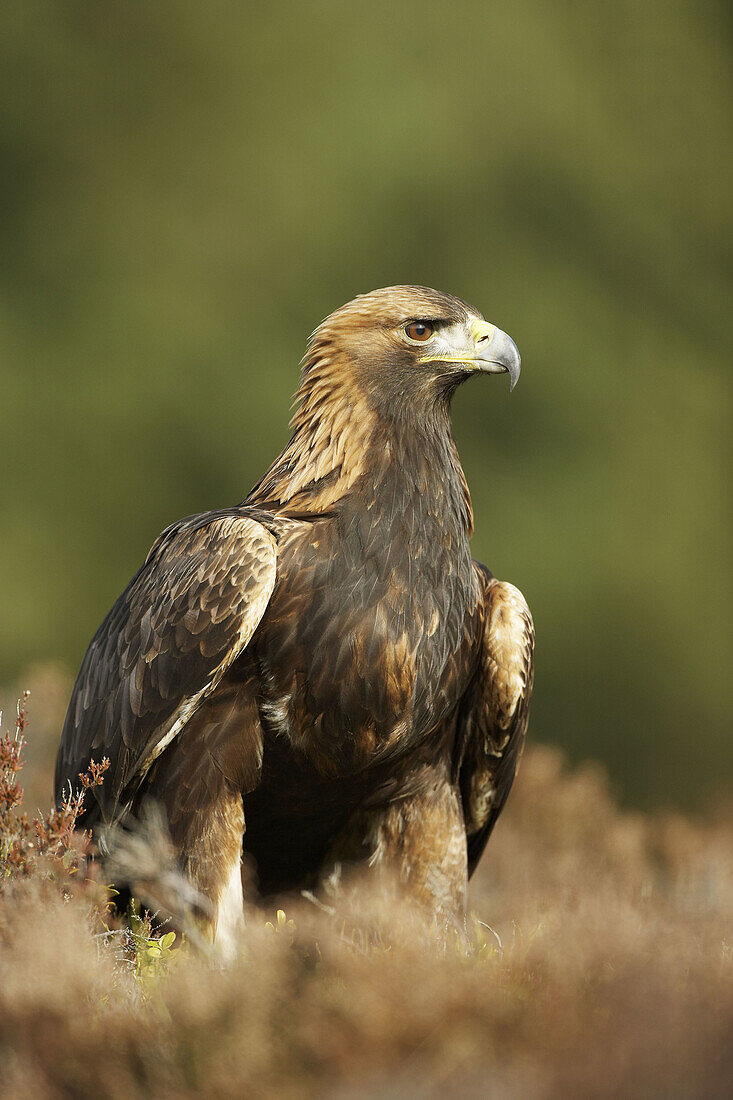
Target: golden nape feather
321, 677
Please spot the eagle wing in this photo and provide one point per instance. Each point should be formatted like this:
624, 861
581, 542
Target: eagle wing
493, 720
184, 618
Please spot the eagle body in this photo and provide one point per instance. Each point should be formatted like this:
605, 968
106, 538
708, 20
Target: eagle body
322, 676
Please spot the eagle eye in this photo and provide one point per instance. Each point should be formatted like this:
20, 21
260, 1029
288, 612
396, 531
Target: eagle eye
419, 331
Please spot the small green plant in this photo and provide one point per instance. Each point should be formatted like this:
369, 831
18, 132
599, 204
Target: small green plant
153, 952
281, 926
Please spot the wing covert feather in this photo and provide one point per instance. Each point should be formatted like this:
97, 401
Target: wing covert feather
184, 618
496, 710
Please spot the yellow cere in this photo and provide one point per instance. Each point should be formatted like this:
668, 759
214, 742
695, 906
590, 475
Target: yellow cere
481, 330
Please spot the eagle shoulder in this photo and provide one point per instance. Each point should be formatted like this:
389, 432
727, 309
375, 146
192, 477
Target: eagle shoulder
509, 648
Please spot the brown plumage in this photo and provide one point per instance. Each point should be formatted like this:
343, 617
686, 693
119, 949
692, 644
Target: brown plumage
323, 670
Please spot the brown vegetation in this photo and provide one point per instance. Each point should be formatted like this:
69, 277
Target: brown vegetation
606, 971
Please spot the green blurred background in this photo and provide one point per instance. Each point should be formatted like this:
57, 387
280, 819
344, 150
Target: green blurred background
189, 188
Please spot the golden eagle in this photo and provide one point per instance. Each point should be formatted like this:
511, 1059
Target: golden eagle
322, 673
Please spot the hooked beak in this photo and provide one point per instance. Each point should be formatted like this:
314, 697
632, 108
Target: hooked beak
496, 352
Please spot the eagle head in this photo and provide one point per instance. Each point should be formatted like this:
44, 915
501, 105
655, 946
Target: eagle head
380, 368
402, 342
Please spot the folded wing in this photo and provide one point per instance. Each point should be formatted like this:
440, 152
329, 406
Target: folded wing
184, 618
493, 720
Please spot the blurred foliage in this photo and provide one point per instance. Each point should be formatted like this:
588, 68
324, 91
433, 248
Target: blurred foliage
596, 962
189, 189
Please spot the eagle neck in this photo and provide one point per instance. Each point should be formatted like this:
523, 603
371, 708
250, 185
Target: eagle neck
415, 473
332, 427
356, 446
